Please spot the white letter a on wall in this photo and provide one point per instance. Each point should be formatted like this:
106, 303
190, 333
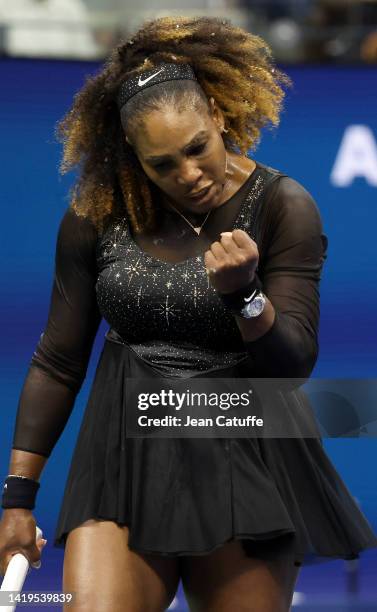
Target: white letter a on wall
357, 157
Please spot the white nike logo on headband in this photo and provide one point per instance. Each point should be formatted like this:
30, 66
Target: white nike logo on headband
142, 82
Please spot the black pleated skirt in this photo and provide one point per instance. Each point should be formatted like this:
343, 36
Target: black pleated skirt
185, 496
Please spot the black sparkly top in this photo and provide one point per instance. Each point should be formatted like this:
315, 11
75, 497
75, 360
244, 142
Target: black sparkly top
167, 311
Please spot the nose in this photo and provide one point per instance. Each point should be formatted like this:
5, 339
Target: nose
189, 174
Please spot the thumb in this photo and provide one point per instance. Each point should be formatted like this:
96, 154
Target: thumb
35, 557
36, 565
41, 544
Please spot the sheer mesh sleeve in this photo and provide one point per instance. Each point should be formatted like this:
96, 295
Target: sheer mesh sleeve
292, 253
59, 363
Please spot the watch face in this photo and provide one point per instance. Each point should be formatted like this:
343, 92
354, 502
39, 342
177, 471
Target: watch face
255, 308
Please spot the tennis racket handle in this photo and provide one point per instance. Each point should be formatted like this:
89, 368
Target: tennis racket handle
16, 573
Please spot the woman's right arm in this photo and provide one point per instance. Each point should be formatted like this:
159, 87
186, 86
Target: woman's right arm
58, 365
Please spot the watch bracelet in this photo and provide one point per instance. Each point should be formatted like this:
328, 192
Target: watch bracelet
235, 301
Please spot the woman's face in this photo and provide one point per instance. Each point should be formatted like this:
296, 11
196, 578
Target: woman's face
182, 153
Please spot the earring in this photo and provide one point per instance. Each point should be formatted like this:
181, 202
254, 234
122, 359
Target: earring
224, 130
226, 181
227, 172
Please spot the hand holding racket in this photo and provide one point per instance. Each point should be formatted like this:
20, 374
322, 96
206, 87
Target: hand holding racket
20, 547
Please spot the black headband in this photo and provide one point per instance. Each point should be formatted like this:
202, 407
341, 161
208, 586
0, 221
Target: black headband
158, 74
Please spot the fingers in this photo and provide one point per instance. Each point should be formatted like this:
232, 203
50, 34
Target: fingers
36, 564
33, 556
231, 243
221, 248
210, 262
227, 242
3, 566
7, 559
218, 251
211, 271
235, 250
41, 542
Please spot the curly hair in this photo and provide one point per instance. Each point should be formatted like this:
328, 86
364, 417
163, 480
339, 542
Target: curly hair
230, 64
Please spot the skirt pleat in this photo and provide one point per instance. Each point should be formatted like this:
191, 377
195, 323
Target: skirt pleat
189, 496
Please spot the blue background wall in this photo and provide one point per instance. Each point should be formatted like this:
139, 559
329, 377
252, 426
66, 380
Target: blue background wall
323, 103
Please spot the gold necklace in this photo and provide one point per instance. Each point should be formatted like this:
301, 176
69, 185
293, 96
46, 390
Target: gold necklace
197, 228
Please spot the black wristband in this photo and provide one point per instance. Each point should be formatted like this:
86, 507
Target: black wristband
235, 301
19, 493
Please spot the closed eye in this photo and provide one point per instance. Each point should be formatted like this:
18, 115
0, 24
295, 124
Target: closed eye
198, 148
194, 151
162, 166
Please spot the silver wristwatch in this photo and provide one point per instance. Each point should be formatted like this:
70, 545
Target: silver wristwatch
254, 306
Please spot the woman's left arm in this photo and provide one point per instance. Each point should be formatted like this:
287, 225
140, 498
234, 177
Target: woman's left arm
283, 340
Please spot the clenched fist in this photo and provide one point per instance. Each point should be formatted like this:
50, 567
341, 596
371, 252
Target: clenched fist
231, 262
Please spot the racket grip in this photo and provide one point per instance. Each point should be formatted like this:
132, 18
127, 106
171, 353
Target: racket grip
16, 573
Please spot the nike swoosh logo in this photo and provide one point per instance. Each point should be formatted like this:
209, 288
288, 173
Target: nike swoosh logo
251, 297
143, 81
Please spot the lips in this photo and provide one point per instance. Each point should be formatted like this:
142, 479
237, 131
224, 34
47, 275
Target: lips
200, 193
